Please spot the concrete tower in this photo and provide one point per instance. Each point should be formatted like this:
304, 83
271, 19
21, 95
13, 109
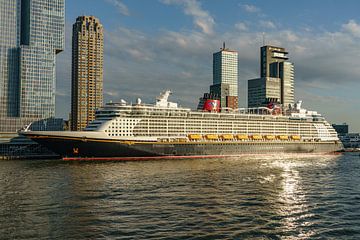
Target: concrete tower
225, 77
87, 71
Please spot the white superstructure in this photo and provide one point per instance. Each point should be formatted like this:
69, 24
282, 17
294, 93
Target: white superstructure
165, 119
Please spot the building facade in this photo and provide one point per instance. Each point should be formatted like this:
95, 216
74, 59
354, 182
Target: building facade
276, 82
341, 129
287, 83
87, 71
270, 57
32, 33
261, 91
225, 77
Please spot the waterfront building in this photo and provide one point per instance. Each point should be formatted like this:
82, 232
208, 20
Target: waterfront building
341, 129
270, 57
32, 34
350, 140
276, 82
87, 71
225, 77
287, 83
262, 91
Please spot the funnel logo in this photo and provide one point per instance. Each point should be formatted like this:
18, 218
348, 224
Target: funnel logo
212, 105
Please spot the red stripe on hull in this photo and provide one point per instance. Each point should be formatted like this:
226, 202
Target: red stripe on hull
142, 158
188, 157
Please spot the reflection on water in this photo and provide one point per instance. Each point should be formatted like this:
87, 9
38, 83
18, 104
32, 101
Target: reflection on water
293, 198
282, 197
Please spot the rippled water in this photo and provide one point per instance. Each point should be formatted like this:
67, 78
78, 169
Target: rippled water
280, 197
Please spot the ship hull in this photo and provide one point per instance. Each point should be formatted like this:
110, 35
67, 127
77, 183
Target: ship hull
80, 148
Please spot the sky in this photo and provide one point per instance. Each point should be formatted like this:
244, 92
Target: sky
154, 45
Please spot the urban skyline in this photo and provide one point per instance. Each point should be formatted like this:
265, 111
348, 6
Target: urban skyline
143, 52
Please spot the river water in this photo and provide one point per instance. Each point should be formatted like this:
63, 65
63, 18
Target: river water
282, 197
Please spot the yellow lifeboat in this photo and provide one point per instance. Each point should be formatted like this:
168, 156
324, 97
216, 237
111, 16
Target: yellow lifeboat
256, 137
227, 136
295, 137
283, 137
242, 137
211, 136
270, 137
194, 136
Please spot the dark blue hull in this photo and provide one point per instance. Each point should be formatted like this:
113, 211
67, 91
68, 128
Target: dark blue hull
105, 148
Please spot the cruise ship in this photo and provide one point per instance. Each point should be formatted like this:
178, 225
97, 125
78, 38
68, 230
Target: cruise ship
123, 131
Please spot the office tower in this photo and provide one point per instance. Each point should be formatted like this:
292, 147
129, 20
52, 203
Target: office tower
341, 129
225, 77
262, 91
87, 71
270, 57
276, 82
287, 83
32, 33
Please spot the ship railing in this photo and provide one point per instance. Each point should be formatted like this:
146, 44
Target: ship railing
228, 137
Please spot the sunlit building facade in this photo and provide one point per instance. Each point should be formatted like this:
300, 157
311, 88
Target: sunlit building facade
276, 82
225, 76
87, 71
287, 83
32, 33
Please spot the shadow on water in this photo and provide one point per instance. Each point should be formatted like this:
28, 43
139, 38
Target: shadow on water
282, 197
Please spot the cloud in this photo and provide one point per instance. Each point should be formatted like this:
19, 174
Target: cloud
124, 43
250, 8
241, 26
267, 24
352, 27
290, 36
121, 7
201, 18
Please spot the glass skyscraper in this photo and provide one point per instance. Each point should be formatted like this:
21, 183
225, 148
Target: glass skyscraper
32, 33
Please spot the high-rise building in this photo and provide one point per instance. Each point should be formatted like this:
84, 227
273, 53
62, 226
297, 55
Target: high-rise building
276, 82
341, 129
87, 71
32, 33
287, 83
225, 77
263, 90
270, 57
